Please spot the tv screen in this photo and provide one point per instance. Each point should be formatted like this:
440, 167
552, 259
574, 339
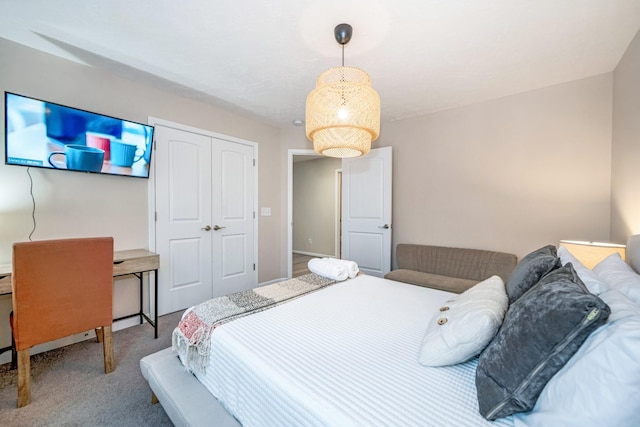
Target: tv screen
48, 135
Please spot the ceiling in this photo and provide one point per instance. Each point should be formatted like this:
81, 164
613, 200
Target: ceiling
261, 58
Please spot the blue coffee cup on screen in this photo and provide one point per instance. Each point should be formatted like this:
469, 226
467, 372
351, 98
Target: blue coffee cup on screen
123, 153
79, 158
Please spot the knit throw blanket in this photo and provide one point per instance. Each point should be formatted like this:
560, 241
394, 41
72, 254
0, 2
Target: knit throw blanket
191, 338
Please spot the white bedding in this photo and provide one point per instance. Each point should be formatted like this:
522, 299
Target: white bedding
343, 356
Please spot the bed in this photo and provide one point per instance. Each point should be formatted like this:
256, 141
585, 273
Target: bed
347, 355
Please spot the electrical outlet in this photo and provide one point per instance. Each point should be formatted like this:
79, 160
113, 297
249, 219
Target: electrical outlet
310, 242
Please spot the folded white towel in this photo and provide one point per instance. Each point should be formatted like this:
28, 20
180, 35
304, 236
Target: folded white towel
328, 269
351, 266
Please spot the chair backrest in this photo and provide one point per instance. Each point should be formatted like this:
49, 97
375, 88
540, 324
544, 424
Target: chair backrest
60, 288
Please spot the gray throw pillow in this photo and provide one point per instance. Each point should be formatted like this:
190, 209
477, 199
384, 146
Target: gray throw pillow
530, 270
540, 333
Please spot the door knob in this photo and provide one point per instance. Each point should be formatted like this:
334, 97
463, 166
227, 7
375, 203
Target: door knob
386, 226
217, 227
207, 228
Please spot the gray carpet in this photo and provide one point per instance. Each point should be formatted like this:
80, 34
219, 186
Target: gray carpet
69, 386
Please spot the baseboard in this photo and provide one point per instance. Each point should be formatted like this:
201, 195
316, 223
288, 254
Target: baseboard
127, 323
73, 339
313, 254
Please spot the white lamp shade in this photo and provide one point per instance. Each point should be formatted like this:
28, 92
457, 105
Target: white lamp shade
591, 253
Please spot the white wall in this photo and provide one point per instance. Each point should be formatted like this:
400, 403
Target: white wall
625, 178
511, 174
72, 204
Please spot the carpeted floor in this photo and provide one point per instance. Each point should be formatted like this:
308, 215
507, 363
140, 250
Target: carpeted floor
69, 386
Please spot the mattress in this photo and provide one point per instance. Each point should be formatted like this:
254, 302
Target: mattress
342, 356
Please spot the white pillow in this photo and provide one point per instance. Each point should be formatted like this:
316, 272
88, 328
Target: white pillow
595, 284
619, 275
464, 327
599, 385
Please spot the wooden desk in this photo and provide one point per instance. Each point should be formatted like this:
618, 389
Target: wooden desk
5, 279
134, 262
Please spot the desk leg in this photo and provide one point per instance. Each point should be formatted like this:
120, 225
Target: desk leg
141, 312
141, 296
155, 304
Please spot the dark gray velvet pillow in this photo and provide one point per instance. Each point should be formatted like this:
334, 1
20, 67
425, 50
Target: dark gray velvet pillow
540, 333
530, 270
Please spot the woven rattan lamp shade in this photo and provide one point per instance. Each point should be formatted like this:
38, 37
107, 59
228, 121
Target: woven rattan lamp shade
343, 113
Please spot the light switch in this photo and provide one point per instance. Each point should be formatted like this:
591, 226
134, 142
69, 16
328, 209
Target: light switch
265, 211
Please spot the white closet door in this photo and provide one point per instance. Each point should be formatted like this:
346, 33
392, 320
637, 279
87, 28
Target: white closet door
234, 267
183, 209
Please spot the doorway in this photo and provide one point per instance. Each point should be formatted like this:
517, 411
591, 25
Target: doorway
364, 227
314, 209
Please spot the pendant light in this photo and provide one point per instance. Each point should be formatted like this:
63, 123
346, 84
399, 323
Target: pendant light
343, 111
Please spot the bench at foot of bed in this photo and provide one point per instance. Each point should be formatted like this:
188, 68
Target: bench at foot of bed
185, 400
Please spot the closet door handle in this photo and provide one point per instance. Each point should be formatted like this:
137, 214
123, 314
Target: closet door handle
217, 227
386, 226
207, 228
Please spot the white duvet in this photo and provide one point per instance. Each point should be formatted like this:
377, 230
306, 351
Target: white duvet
343, 356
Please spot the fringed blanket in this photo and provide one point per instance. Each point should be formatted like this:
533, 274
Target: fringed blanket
191, 338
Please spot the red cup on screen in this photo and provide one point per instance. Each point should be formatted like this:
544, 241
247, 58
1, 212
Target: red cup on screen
101, 141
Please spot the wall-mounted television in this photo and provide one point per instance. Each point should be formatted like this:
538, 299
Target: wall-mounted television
44, 134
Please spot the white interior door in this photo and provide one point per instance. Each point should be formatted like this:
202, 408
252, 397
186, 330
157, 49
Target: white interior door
366, 211
234, 267
183, 209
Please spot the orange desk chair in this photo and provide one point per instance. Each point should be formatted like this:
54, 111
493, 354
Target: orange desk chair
60, 288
